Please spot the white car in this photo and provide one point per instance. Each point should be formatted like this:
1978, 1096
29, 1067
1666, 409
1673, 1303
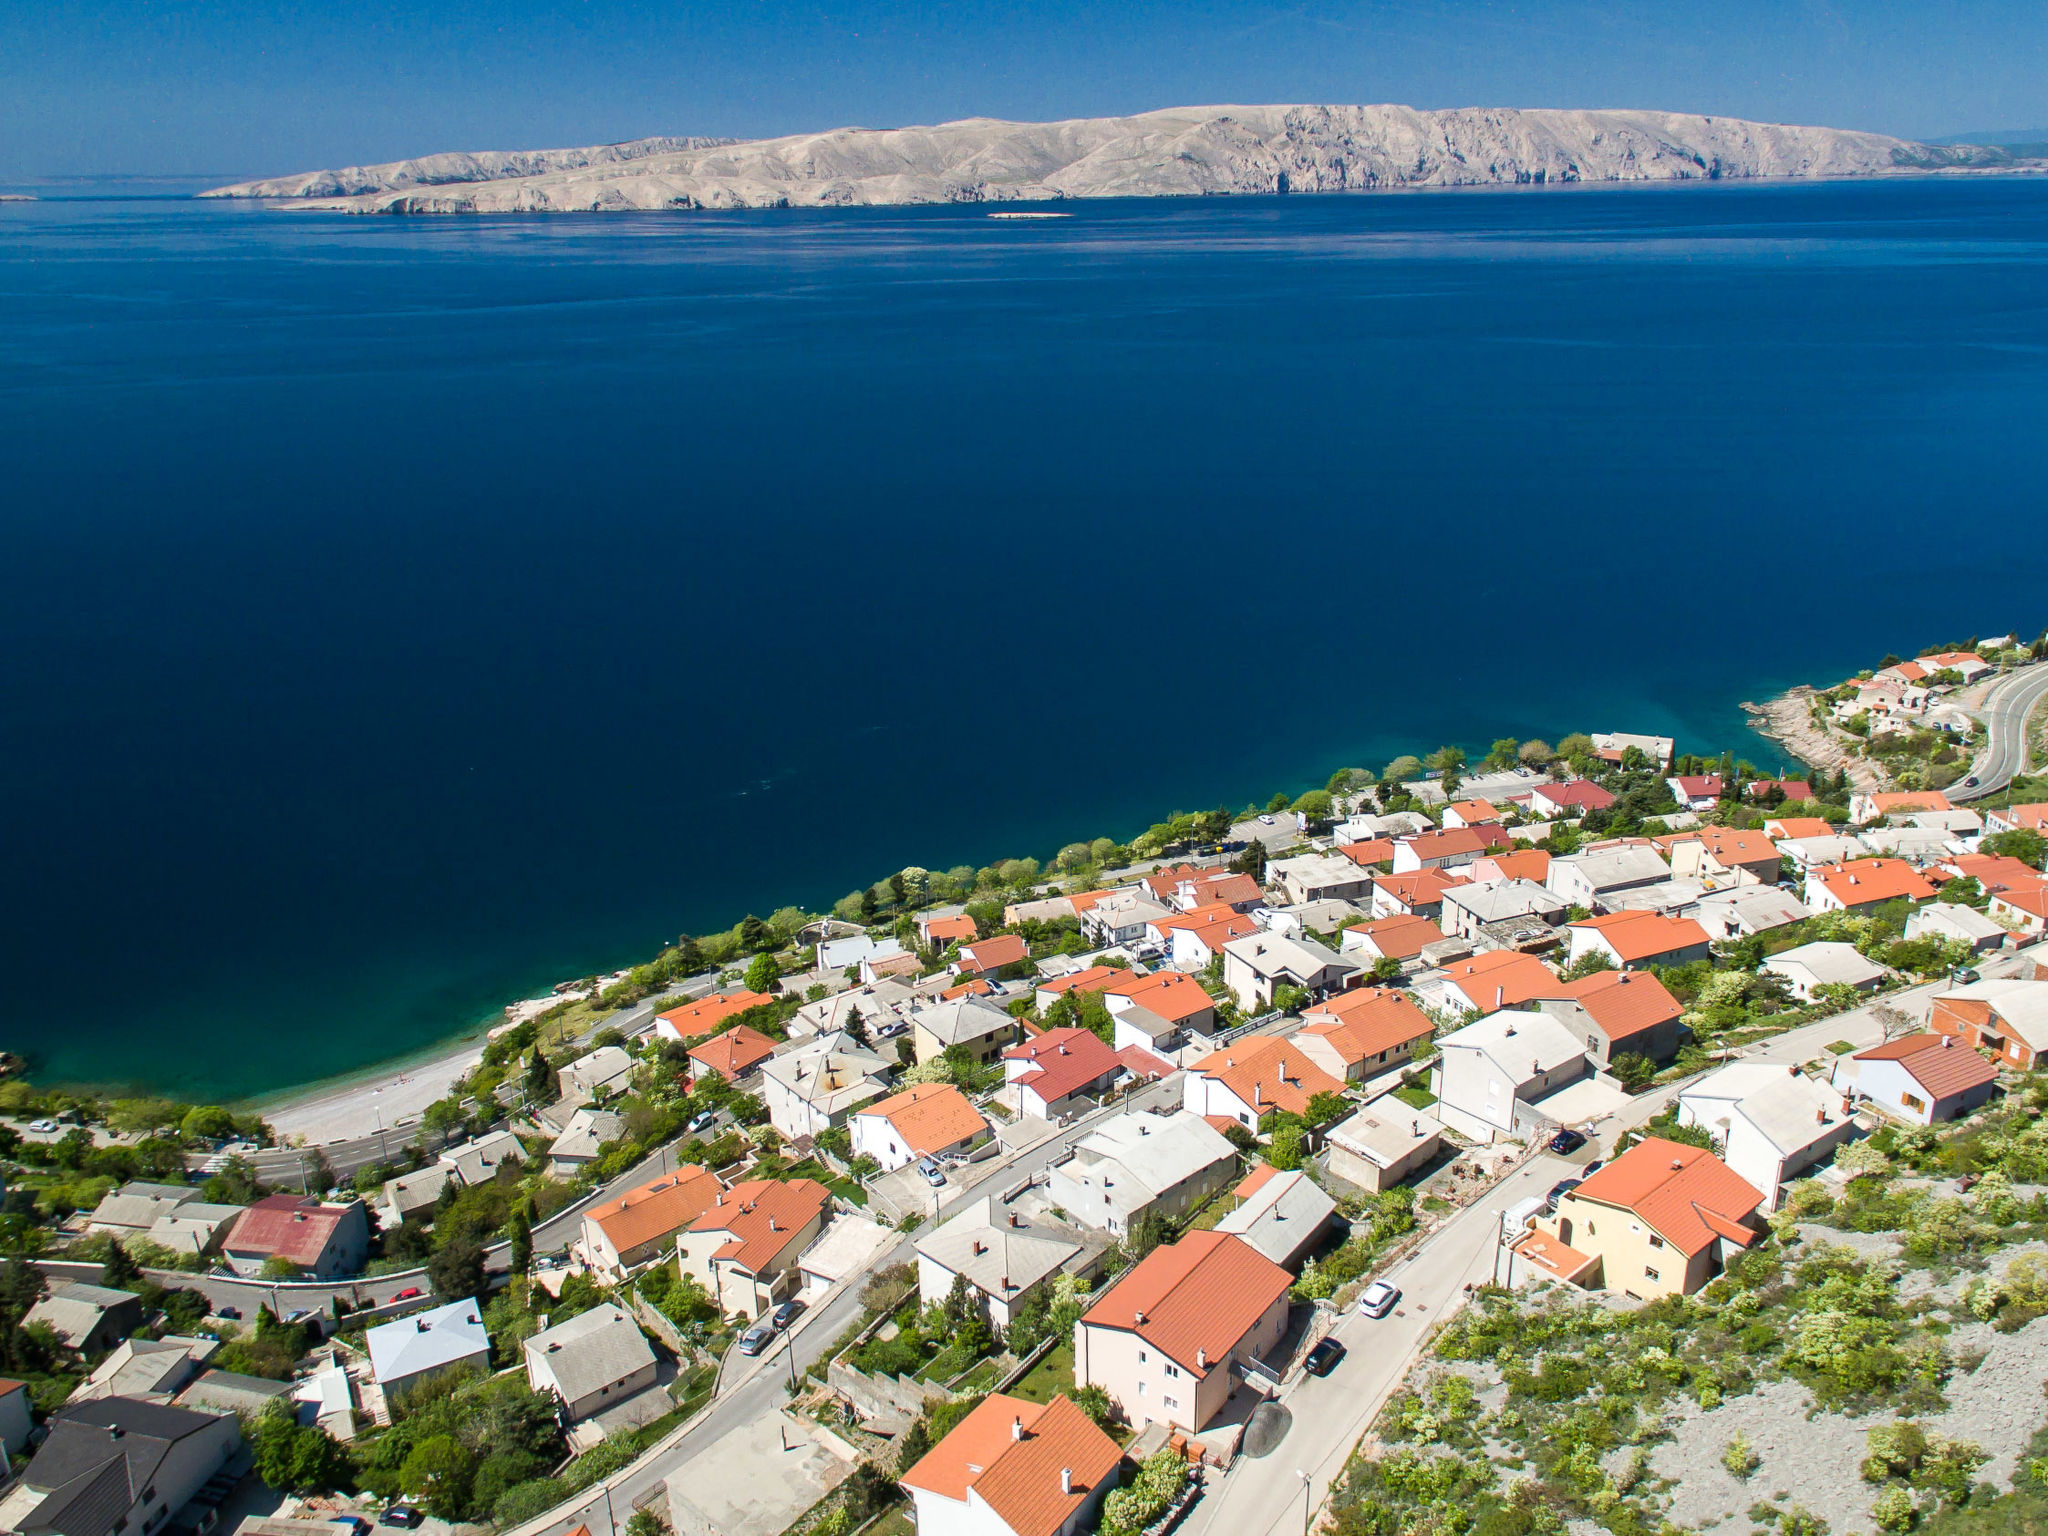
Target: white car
42, 1127
1378, 1299
1266, 821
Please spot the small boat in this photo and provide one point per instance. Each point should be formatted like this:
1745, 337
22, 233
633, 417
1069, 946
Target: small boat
1031, 215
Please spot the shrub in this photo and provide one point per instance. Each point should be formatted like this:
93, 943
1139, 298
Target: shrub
1740, 1457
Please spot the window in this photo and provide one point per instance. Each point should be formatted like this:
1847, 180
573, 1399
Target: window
1142, 1357
1173, 1370
1910, 1102
1141, 1389
1656, 1241
1649, 1273
1172, 1402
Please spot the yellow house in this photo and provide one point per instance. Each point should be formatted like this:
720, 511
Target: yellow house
1659, 1220
979, 1028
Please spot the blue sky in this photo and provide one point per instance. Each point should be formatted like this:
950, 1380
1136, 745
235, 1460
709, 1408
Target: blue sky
235, 87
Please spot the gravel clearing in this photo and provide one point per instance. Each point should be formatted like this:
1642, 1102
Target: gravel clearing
1814, 1459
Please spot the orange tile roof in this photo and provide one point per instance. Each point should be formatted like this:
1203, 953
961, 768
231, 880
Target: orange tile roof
655, 1209
1546, 1252
1910, 800
2033, 816
1729, 846
1473, 810
1194, 1300
1792, 789
1515, 976
930, 1117
1995, 871
941, 931
1211, 886
762, 1217
993, 954
1638, 936
1454, 842
1084, 901
1401, 936
1216, 929
705, 1015
1173, 995
1687, 1195
1268, 1073
1013, 1453
1938, 1063
1582, 794
1094, 979
1866, 881
2031, 899
733, 1054
1063, 1060
1789, 827
1623, 1003
1363, 1023
975, 988
1419, 887
1378, 850
1531, 864
1255, 1181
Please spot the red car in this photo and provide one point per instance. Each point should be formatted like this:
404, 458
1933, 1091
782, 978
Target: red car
410, 1293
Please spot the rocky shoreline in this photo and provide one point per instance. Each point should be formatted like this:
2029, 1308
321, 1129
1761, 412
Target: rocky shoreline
1788, 720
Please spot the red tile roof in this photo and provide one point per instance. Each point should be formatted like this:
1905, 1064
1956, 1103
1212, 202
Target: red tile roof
1194, 1300
1939, 1063
1175, 996
1255, 1181
1687, 1195
1014, 1454
1094, 979
1456, 842
1419, 887
1268, 1073
733, 1054
1996, 871
1064, 1061
1213, 926
1695, 786
1141, 1063
761, 1218
288, 1227
1909, 800
993, 954
1583, 794
1864, 882
974, 988
1793, 789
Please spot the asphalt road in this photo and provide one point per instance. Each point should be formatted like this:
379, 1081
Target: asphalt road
763, 1385
2007, 704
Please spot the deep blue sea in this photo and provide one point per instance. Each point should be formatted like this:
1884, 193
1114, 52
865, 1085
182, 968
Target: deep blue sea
397, 617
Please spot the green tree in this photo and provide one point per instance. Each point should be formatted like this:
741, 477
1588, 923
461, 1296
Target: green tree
2021, 843
1326, 1108
437, 1471
297, 1458
1314, 806
763, 973
519, 1228
1447, 760
1502, 754
207, 1122
1535, 754
1285, 1148
755, 934
457, 1271
1401, 770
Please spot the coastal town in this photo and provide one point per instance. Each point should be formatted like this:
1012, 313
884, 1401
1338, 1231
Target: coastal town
1576, 1135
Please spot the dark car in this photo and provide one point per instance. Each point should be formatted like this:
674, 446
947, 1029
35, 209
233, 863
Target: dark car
1590, 1169
756, 1339
232, 1314
1562, 1188
1567, 1140
404, 1516
785, 1314
1323, 1358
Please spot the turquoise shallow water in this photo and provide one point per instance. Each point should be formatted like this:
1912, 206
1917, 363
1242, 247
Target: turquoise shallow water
403, 615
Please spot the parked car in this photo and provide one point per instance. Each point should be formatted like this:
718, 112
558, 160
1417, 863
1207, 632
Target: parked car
410, 1293
1323, 1358
786, 1314
1591, 1168
756, 1338
1378, 1299
934, 1175
891, 1030
404, 1516
42, 1127
1562, 1188
1567, 1140
701, 1122
232, 1314
1265, 821
354, 1525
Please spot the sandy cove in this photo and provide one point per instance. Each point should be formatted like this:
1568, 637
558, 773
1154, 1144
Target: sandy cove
395, 1097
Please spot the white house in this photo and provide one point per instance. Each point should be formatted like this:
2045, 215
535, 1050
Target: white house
1133, 1165
1745, 910
1318, 877
408, 1352
1772, 1123
1005, 1254
1382, 1144
1825, 963
1256, 966
925, 1120
1919, 1078
1583, 878
1954, 925
1469, 908
1488, 1073
595, 1359
1282, 1215
814, 1087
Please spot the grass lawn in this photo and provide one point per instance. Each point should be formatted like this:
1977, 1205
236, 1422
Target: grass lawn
895, 1523
1050, 1377
1416, 1097
1221, 1206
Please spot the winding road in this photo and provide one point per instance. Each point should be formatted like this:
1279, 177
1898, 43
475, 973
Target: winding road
2007, 704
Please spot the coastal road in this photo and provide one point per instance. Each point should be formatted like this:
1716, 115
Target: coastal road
2007, 704
762, 1385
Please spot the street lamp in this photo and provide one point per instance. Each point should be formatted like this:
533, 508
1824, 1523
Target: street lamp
1307, 1488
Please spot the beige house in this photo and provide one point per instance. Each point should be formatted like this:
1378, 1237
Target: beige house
979, 1028
1658, 1221
1382, 1144
595, 1359
743, 1247
622, 1234
1171, 1340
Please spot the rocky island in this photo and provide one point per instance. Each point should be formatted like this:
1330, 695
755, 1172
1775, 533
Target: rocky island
1176, 152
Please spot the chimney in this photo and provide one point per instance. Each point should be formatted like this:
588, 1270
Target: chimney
1500, 997
1677, 1164
1006, 1284
1017, 1427
1201, 1359
1138, 1317
772, 1227
1066, 1479
978, 1250
1013, 1219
